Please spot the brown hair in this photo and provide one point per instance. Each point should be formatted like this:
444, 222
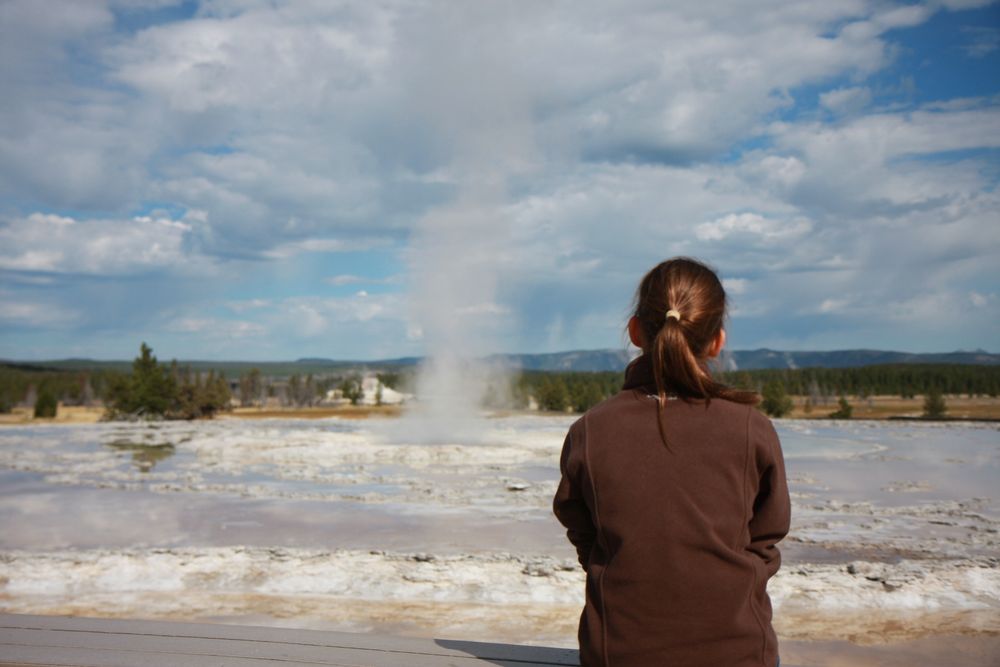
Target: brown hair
678, 345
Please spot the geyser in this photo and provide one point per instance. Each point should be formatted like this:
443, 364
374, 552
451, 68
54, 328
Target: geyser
477, 110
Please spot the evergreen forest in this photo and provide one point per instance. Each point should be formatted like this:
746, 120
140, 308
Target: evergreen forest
173, 391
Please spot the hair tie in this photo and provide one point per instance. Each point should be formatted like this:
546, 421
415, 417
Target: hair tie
674, 314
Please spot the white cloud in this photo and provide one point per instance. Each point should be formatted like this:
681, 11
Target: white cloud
144, 5
885, 136
750, 224
927, 308
351, 279
983, 41
833, 305
319, 315
618, 134
65, 143
963, 4
266, 58
334, 91
872, 163
217, 328
485, 308
49, 243
846, 100
345, 279
355, 326
248, 304
293, 248
735, 285
981, 300
57, 20
591, 222
44, 315
905, 16
780, 172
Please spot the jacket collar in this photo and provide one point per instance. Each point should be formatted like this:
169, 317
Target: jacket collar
639, 375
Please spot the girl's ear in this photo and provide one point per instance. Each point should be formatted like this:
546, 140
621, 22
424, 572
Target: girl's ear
717, 344
635, 333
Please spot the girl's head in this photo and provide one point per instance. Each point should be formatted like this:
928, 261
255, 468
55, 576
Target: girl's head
680, 308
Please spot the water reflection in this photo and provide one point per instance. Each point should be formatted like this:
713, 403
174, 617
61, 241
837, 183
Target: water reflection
145, 455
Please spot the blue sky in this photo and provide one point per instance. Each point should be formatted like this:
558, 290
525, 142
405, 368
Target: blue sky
250, 179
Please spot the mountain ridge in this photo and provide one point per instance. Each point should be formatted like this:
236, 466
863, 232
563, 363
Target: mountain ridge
760, 358
608, 359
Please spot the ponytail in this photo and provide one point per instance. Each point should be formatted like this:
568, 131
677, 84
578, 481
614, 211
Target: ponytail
681, 306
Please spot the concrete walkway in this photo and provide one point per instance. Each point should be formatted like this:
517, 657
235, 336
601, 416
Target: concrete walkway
55, 641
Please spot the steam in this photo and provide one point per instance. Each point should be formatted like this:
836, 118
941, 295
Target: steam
456, 270
469, 95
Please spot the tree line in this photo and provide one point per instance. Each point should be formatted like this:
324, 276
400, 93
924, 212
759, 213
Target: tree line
155, 391
302, 391
578, 391
169, 391
561, 391
151, 390
903, 380
26, 383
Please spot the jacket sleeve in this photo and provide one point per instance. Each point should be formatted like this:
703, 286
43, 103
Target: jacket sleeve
569, 504
772, 509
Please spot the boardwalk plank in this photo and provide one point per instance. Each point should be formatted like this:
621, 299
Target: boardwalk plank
457, 648
109, 643
201, 649
49, 656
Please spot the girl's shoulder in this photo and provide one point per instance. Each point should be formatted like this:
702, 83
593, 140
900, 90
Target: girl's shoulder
626, 399
757, 424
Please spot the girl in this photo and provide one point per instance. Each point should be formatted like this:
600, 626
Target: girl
673, 492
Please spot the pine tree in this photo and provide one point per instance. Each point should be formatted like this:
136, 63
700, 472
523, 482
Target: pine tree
844, 410
351, 389
934, 405
553, 395
46, 404
149, 391
586, 394
309, 391
776, 401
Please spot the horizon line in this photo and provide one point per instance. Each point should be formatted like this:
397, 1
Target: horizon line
417, 358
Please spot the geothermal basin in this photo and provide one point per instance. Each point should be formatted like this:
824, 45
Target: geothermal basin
344, 524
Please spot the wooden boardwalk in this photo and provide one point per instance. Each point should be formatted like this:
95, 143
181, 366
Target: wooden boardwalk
55, 641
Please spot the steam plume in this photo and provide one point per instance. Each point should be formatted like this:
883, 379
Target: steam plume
472, 99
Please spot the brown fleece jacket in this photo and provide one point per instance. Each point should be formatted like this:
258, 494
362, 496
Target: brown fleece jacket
678, 543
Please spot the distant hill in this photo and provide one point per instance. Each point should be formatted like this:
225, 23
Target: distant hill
575, 360
230, 369
614, 360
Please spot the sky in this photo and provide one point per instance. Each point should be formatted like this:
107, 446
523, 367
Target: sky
262, 180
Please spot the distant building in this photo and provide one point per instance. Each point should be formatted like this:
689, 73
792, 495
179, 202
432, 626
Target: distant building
334, 397
376, 393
